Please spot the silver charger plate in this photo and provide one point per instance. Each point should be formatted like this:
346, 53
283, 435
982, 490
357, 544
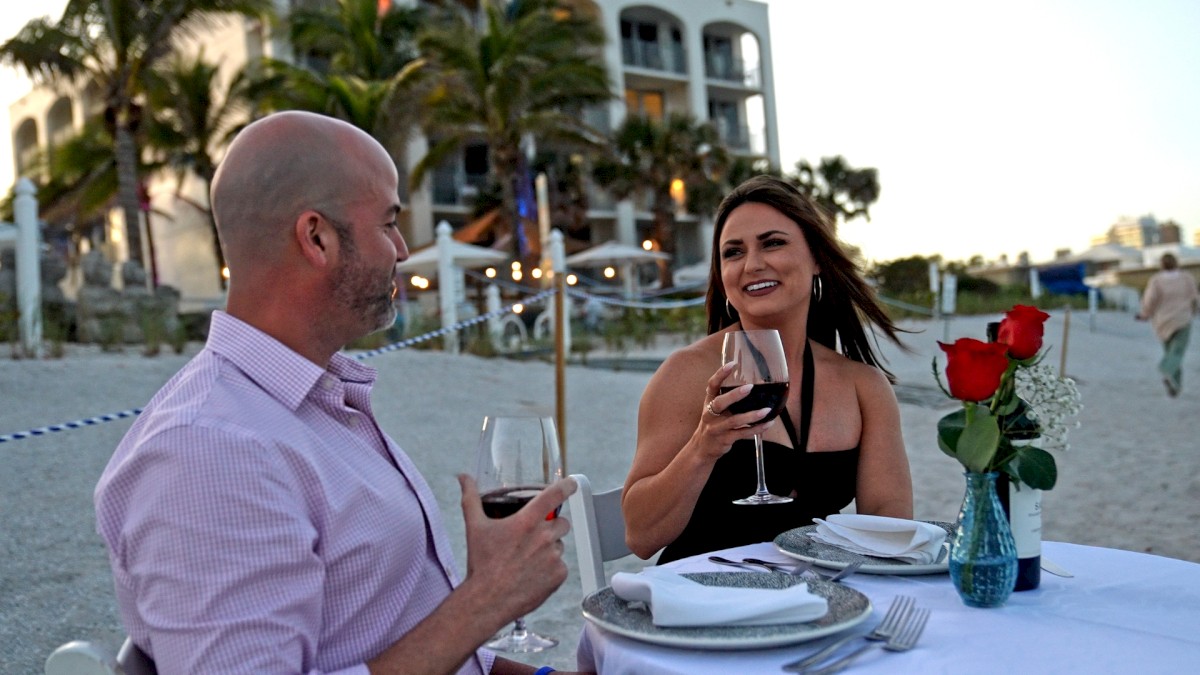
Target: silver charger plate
847, 608
797, 544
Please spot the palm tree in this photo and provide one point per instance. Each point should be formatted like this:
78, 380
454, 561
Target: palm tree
525, 75
844, 192
650, 156
355, 57
190, 119
113, 44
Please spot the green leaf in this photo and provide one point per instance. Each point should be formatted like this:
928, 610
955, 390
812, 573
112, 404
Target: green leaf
949, 429
1037, 468
980, 438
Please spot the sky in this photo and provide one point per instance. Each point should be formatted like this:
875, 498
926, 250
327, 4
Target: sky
996, 128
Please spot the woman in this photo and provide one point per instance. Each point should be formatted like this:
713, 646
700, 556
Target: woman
774, 265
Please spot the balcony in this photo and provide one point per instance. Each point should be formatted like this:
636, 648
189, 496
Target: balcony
451, 186
725, 69
653, 55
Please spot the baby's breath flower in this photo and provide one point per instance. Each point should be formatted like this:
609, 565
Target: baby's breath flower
1052, 399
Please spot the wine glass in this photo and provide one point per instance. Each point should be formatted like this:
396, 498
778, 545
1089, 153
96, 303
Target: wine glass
760, 362
517, 458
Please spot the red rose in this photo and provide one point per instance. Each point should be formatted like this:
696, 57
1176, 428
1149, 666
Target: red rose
1022, 330
973, 368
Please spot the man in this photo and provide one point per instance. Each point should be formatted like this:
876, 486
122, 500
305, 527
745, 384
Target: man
1170, 301
257, 518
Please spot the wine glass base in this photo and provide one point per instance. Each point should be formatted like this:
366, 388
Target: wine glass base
754, 500
530, 642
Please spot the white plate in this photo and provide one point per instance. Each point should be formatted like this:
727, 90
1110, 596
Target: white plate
797, 544
847, 608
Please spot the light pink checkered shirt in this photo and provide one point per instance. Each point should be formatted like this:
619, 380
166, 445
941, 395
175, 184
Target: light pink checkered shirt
256, 521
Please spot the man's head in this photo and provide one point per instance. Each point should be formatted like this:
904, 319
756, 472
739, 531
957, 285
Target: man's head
306, 208
1169, 261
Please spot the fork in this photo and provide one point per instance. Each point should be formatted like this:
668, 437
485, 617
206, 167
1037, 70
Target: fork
846, 571
896, 614
905, 639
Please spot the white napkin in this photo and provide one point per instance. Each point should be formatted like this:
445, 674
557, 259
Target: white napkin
881, 536
678, 601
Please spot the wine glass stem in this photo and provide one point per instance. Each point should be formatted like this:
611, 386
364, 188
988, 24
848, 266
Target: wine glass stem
758, 464
518, 631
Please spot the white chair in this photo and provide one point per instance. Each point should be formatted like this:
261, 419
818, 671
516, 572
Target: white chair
87, 658
599, 532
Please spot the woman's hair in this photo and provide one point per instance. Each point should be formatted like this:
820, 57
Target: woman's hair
846, 299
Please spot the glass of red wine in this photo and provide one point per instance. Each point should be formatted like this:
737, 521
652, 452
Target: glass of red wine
759, 359
518, 457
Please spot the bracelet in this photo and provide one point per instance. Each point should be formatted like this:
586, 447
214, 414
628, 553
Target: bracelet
544, 670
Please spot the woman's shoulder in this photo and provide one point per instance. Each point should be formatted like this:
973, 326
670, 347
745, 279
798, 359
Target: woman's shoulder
702, 353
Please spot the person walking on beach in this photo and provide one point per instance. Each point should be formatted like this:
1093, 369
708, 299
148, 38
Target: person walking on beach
1169, 303
257, 518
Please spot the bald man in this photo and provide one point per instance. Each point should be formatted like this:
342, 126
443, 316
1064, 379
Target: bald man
257, 518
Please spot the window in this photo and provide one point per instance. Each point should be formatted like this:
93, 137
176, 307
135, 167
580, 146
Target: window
645, 103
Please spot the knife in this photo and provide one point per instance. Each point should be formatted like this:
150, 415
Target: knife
1054, 569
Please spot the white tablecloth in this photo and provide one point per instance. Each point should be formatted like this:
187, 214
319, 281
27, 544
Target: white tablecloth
1122, 612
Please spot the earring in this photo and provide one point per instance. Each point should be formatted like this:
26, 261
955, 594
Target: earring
817, 290
728, 308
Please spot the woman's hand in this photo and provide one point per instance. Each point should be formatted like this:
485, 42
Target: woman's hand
719, 428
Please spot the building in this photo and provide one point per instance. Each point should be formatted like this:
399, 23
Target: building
707, 58
1140, 233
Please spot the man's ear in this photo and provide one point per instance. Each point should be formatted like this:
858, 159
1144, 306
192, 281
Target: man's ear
315, 237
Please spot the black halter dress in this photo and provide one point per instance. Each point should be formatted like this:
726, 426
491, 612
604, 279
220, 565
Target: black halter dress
820, 483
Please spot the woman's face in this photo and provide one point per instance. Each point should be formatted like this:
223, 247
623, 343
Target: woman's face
766, 265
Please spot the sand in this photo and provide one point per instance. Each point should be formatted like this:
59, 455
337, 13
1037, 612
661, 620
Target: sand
1129, 480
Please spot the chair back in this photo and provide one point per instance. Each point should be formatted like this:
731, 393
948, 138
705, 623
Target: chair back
87, 658
599, 532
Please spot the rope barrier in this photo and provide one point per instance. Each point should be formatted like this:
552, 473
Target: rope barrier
402, 344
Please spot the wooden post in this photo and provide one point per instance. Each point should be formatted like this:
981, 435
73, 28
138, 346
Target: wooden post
561, 323
1062, 363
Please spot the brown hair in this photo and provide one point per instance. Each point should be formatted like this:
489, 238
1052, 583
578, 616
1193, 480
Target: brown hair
847, 301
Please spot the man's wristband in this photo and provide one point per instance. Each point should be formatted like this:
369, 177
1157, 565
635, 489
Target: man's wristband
544, 670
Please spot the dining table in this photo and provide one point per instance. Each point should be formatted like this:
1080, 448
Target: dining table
1120, 612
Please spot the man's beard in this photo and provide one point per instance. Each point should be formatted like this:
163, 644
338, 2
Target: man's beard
366, 293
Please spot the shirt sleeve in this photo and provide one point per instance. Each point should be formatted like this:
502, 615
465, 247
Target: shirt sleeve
219, 550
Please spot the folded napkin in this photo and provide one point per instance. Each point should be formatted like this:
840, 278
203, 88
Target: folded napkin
678, 601
881, 537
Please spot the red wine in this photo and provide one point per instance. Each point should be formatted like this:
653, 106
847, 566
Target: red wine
504, 502
771, 395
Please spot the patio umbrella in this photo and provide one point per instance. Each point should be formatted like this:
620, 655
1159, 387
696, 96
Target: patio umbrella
464, 256
614, 253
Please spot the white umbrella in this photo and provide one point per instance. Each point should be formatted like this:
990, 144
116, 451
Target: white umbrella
614, 253
464, 256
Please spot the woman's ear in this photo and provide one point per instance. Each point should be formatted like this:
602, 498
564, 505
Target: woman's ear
315, 237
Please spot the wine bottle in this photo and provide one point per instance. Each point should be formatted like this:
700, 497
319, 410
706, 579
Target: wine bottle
1022, 504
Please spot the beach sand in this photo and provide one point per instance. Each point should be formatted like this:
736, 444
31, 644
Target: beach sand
1129, 480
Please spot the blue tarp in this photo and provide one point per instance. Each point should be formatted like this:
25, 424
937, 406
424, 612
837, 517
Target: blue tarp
1064, 279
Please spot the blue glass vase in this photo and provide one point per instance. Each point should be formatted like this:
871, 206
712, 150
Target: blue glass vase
983, 556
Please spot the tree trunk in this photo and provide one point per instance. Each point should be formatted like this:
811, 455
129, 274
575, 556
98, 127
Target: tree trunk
127, 186
664, 232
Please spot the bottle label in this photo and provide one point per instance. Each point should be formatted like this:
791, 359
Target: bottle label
1025, 518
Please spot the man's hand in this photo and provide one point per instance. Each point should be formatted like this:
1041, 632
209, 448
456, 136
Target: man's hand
518, 560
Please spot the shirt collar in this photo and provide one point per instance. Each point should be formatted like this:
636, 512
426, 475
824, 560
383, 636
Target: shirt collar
281, 372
